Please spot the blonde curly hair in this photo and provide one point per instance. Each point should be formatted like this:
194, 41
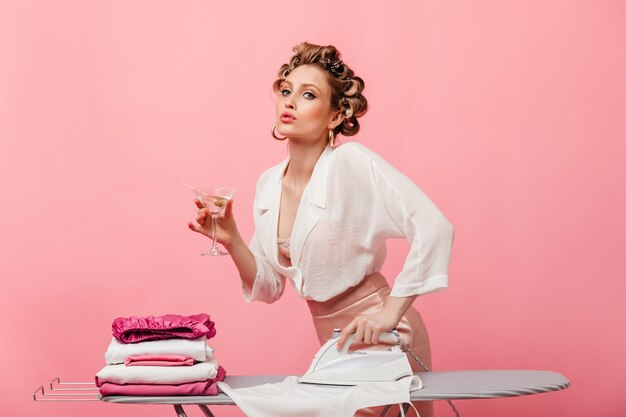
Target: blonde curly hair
345, 87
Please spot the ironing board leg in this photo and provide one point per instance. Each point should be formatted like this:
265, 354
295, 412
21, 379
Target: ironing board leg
384, 412
388, 406
179, 410
405, 407
206, 410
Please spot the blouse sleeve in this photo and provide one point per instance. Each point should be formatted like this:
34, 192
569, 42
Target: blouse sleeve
268, 284
411, 214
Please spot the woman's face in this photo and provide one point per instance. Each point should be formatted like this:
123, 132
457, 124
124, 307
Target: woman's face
305, 94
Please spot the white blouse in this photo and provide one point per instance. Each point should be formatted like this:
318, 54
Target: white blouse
354, 201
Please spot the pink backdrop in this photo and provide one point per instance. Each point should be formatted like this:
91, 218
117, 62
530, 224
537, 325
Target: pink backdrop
510, 115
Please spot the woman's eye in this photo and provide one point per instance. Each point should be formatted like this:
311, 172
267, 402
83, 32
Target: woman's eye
311, 95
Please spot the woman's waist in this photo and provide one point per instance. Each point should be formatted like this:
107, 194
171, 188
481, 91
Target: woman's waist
368, 285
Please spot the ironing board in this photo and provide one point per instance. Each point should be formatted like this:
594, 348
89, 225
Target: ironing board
442, 385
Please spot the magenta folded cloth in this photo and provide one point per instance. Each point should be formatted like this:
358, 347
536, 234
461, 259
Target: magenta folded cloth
208, 387
159, 360
169, 326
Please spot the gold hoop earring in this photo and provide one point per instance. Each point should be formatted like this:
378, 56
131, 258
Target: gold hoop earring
274, 133
331, 138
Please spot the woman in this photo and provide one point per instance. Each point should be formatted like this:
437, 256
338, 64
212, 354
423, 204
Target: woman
322, 217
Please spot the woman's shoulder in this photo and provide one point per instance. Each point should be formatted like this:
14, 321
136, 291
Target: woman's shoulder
355, 152
351, 147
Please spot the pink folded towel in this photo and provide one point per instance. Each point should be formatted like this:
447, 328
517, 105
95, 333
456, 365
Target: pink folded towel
208, 387
169, 326
159, 360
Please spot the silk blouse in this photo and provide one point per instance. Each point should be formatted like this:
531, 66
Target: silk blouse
353, 203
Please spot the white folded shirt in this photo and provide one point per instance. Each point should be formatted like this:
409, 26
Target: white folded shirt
121, 374
196, 348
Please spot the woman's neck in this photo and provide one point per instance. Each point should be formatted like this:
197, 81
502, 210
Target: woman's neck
302, 160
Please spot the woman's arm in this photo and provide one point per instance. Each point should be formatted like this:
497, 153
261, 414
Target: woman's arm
259, 280
395, 307
412, 215
243, 259
406, 212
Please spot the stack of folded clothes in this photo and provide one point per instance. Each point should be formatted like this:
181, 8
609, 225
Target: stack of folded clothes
161, 356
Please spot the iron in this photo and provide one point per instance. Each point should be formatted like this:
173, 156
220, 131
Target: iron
347, 367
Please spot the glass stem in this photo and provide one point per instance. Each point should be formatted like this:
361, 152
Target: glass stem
214, 224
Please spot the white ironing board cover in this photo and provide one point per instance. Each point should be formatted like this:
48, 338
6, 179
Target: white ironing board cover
441, 385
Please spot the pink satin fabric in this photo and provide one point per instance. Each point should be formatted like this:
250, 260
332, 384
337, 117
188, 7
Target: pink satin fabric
369, 297
208, 387
159, 360
141, 329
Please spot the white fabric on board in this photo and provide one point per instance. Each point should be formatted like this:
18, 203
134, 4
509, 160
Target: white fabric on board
292, 399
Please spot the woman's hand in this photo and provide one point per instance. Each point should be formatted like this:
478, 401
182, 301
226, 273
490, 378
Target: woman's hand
367, 328
227, 230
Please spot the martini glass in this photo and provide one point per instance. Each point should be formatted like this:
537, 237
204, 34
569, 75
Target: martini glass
214, 199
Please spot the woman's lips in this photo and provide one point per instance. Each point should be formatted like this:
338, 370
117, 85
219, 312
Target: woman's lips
286, 118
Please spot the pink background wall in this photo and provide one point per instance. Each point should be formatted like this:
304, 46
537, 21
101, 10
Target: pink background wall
510, 115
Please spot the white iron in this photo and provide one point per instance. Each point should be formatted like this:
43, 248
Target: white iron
344, 367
